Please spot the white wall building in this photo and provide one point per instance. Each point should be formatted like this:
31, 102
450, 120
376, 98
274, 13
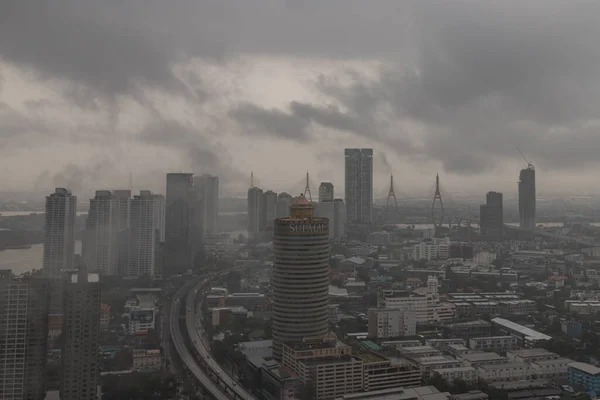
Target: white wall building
493, 343
551, 369
426, 251
384, 323
467, 374
505, 372
144, 234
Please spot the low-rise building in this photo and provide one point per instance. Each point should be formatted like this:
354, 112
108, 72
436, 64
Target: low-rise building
440, 344
416, 393
482, 358
399, 344
485, 307
512, 307
526, 337
471, 395
457, 349
504, 372
551, 369
466, 374
147, 360
467, 329
429, 364
419, 351
531, 355
585, 375
382, 373
493, 343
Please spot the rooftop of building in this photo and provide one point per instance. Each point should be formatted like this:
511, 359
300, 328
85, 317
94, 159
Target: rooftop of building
493, 337
481, 356
528, 353
586, 368
331, 360
371, 357
416, 393
455, 369
476, 323
418, 349
490, 367
471, 395
561, 360
435, 360
528, 332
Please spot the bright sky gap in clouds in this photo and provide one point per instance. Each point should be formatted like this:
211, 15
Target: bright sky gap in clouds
92, 90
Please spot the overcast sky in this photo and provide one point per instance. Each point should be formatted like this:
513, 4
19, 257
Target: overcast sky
91, 90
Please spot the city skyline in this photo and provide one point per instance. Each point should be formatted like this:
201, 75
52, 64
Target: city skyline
423, 106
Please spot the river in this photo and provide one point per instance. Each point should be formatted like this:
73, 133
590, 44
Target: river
24, 260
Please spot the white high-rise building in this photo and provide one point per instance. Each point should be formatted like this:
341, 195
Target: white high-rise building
59, 238
207, 187
101, 237
144, 234
359, 185
282, 208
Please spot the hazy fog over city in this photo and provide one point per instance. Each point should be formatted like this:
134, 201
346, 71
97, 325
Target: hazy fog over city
299, 200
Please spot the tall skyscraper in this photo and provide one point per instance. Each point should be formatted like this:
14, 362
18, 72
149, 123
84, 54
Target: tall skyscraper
101, 236
270, 209
197, 225
144, 234
527, 198
300, 276
208, 188
24, 307
255, 211
81, 324
123, 198
340, 218
282, 208
491, 216
59, 238
177, 223
325, 192
359, 185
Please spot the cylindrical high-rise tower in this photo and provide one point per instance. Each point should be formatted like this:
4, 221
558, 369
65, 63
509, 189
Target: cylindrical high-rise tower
300, 278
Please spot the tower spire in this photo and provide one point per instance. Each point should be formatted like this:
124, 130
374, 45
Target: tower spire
251, 179
437, 220
391, 194
307, 188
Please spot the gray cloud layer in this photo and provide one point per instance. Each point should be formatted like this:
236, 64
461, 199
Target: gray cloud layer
472, 79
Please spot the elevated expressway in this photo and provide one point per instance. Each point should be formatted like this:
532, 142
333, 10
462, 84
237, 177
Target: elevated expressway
191, 348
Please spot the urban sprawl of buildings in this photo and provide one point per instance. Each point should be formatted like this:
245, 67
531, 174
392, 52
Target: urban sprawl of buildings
331, 298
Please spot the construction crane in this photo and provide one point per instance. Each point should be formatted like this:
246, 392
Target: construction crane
529, 163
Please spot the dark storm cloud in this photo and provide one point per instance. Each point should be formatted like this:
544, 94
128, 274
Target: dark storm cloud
274, 122
464, 82
200, 154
